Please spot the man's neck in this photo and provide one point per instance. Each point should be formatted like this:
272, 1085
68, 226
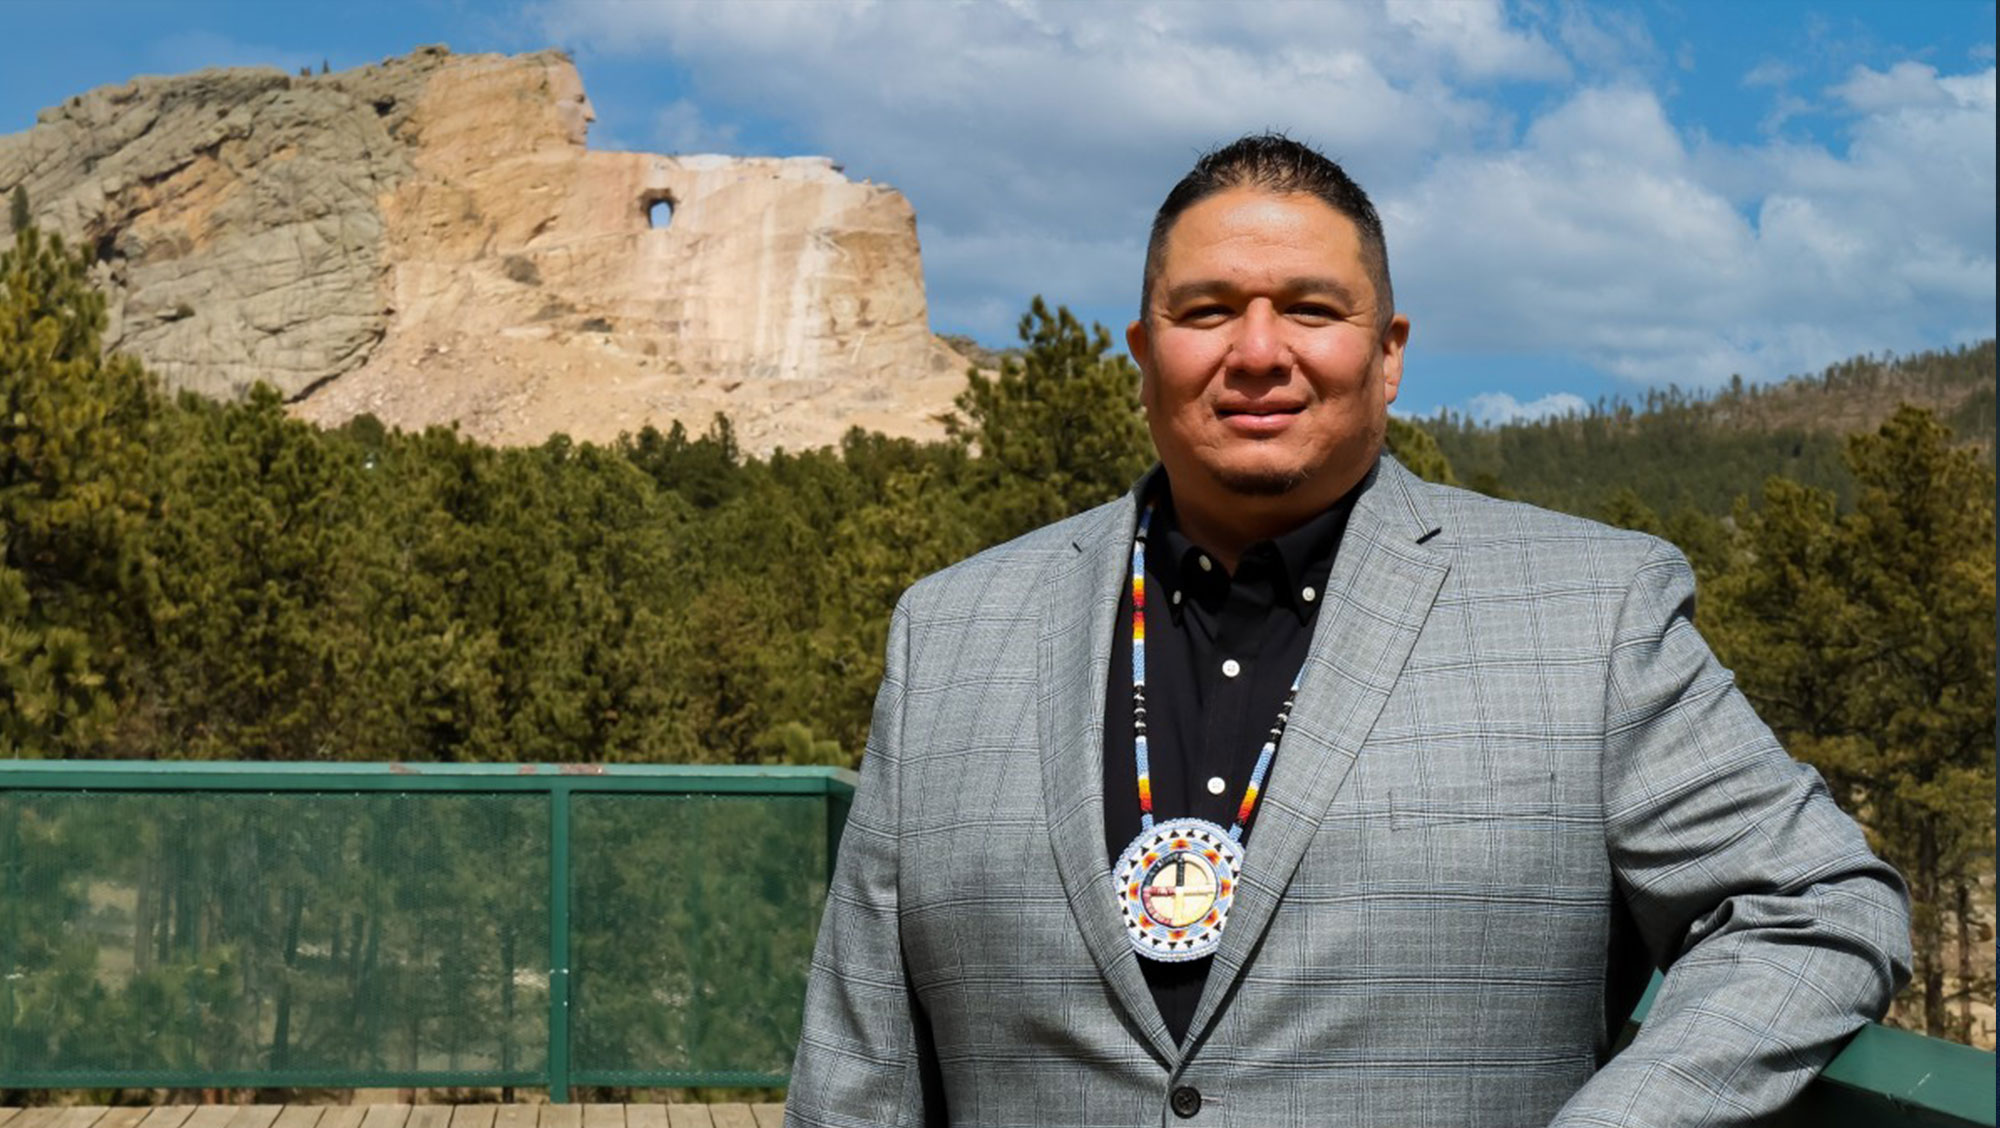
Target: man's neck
1225, 541
1226, 526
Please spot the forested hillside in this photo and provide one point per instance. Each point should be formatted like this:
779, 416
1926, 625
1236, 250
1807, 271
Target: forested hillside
1677, 449
187, 579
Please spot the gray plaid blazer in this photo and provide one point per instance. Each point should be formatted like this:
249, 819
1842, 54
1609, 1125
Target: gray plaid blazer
1515, 782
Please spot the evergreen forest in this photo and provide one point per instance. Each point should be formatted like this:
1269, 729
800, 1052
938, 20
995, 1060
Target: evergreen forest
1677, 449
181, 578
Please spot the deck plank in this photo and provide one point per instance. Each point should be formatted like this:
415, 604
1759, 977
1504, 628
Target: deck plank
473, 1116
429, 1116
562, 1116
646, 1116
255, 1116
732, 1116
300, 1116
769, 1115
165, 1116
386, 1116
43, 1117
80, 1116
689, 1116
127, 1116
7, 1114
604, 1116
516, 1116
210, 1116
341, 1116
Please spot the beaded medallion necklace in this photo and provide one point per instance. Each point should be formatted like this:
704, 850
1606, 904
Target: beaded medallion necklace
1177, 880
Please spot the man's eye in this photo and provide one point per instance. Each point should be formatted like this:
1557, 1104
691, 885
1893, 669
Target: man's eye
1314, 311
1205, 313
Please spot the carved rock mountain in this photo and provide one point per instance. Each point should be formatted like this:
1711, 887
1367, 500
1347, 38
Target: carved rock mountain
429, 240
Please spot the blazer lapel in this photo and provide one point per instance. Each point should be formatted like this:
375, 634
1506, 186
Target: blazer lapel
1379, 593
1081, 600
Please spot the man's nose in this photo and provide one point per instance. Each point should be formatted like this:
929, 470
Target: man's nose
1261, 347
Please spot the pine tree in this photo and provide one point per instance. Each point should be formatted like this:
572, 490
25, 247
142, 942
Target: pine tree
1057, 431
1418, 452
74, 428
1866, 641
1922, 542
257, 593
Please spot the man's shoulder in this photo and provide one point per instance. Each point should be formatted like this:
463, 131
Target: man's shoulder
1473, 525
1009, 572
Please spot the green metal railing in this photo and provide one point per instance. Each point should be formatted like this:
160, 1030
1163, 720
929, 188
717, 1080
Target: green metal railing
390, 925
1888, 1078
377, 925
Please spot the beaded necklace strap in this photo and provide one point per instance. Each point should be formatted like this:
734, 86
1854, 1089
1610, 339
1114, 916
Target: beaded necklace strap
1139, 671
1139, 749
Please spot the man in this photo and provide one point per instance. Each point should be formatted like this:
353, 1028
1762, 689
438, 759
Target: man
1404, 796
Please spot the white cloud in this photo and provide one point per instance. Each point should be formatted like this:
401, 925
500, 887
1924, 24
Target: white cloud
1784, 108
1904, 85
681, 127
1770, 72
1493, 408
1583, 222
1015, 266
1077, 115
1609, 236
1603, 38
1593, 238
1475, 37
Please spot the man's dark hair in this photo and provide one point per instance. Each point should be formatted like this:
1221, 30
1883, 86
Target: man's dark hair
1274, 163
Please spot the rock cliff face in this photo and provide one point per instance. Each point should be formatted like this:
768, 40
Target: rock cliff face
430, 241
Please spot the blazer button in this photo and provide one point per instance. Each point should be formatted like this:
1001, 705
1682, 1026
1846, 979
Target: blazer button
1186, 1101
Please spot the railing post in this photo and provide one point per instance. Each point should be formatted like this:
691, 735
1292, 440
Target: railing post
12, 864
559, 796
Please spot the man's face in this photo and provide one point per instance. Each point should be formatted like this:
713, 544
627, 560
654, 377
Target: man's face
1268, 373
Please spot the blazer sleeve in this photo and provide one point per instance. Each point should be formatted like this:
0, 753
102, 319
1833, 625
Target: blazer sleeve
863, 1056
1779, 932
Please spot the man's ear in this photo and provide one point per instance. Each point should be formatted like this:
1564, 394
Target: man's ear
1394, 338
1140, 343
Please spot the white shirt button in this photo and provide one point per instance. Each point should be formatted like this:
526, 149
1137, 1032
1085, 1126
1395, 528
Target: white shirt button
1215, 785
1207, 565
1230, 669
1309, 595
1177, 599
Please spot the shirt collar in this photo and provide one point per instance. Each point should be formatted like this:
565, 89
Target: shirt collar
1299, 559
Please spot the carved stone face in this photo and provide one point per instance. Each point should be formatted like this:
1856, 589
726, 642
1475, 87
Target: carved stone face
573, 108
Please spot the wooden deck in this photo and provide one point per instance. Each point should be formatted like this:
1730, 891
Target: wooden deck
402, 1116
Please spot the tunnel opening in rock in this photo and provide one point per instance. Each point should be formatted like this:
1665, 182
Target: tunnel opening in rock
659, 209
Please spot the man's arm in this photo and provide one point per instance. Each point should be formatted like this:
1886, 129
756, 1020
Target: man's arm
1781, 934
862, 1049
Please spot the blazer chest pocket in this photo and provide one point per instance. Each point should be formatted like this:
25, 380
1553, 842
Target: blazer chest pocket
1498, 836
1521, 796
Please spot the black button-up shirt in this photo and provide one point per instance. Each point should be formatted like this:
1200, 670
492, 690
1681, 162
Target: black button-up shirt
1221, 652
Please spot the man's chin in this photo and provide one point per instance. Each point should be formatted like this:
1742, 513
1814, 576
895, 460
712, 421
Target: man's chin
1259, 481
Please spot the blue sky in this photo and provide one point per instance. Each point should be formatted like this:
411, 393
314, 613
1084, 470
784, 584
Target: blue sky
1581, 199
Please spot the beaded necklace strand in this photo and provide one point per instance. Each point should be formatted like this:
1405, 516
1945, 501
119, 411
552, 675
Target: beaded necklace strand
1139, 749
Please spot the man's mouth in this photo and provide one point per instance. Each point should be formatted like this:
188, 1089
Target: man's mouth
1261, 418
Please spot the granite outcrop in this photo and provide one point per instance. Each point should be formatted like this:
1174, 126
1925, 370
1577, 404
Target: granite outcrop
431, 241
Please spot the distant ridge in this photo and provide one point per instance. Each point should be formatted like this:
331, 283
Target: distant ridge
1678, 449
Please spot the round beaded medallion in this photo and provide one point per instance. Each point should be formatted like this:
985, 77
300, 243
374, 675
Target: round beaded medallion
1176, 882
